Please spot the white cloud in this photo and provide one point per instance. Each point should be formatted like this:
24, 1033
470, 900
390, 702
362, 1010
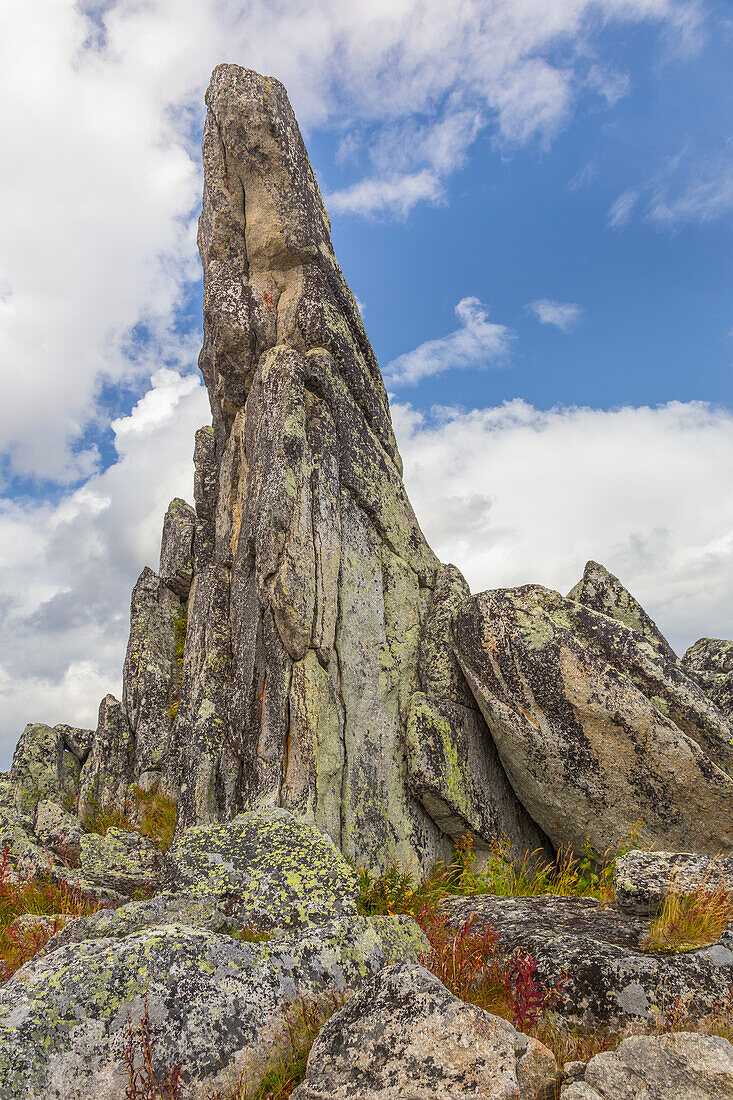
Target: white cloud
477, 343
687, 189
563, 315
67, 570
101, 174
622, 209
515, 495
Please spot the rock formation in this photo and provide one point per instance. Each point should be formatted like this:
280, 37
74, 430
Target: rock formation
316, 673
302, 648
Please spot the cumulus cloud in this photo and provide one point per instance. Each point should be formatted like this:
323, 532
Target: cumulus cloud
515, 495
563, 315
101, 183
67, 570
478, 342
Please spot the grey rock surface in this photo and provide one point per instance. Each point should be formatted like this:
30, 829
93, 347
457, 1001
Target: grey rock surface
121, 860
599, 734
710, 663
678, 1066
107, 775
176, 548
601, 590
43, 768
215, 1003
405, 1035
58, 831
277, 869
594, 954
642, 878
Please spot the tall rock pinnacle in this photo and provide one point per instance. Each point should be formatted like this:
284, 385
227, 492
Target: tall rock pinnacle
316, 673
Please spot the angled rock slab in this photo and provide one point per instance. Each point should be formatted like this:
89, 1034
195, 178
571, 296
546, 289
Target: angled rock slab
405, 1035
598, 733
215, 1003
176, 548
678, 1066
709, 662
642, 879
280, 870
602, 591
595, 954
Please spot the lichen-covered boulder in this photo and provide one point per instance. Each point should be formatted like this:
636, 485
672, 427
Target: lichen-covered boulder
58, 831
598, 732
594, 954
215, 1003
121, 860
107, 773
405, 1035
43, 768
280, 870
710, 664
677, 1066
642, 879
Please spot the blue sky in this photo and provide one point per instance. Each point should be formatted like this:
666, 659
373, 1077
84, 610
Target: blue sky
532, 201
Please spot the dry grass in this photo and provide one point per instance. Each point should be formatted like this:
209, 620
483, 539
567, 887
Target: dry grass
27, 896
690, 920
154, 817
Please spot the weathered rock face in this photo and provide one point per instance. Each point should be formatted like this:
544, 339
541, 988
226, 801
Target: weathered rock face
600, 590
682, 1066
598, 732
405, 1035
281, 871
710, 664
45, 767
294, 649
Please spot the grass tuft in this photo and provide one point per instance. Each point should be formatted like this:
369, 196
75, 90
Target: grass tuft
690, 920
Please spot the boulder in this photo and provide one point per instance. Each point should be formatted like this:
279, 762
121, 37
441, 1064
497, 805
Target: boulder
43, 768
594, 955
709, 662
176, 549
215, 1004
405, 1035
642, 879
603, 592
58, 831
599, 734
77, 741
678, 1066
278, 870
121, 860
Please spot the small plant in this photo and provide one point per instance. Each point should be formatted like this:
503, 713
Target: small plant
147, 1079
157, 814
690, 920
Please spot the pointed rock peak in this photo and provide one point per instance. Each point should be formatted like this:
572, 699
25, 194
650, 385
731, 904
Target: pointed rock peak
604, 592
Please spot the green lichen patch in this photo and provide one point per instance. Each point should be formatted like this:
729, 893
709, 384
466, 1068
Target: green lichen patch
281, 870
